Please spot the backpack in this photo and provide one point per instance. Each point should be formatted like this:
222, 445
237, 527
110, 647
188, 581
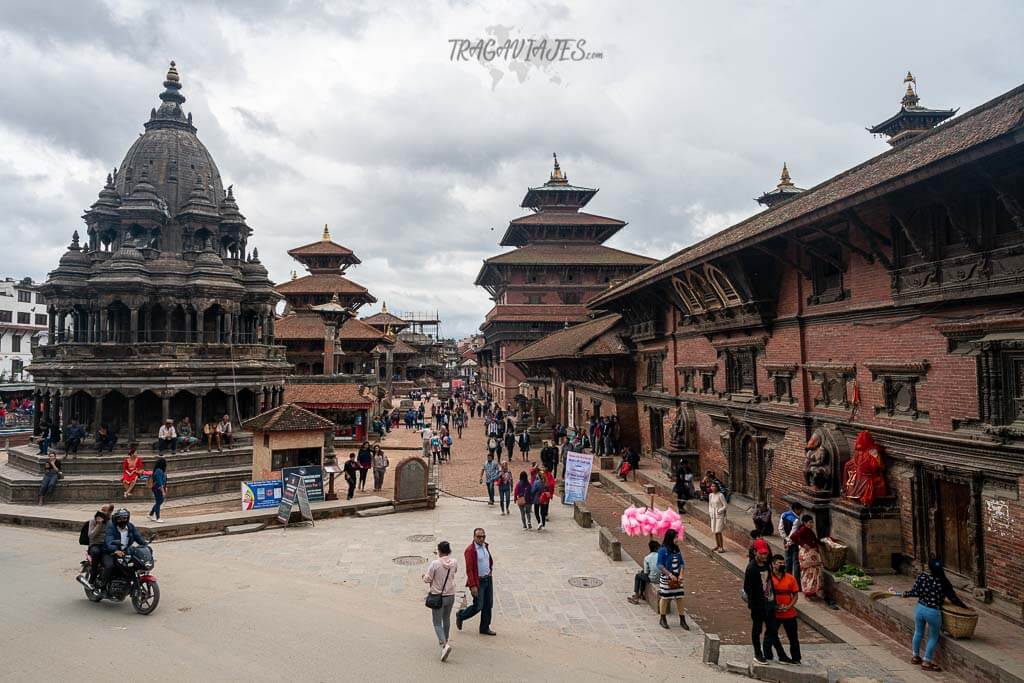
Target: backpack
83, 535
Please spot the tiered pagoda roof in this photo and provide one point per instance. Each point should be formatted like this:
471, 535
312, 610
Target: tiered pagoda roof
912, 119
783, 191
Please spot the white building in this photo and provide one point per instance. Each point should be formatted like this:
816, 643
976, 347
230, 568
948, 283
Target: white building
23, 325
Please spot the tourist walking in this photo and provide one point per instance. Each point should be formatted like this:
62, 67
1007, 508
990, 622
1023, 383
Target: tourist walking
426, 434
51, 475
365, 460
760, 595
787, 592
717, 507
380, 467
510, 443
648, 574
670, 581
131, 470
524, 445
441, 577
505, 488
489, 474
351, 470
479, 580
683, 488
931, 590
523, 496
547, 494
159, 486
537, 490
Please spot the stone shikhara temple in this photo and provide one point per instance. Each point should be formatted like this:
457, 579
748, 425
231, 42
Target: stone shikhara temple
161, 311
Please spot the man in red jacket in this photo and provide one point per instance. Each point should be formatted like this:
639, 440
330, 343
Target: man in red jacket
479, 565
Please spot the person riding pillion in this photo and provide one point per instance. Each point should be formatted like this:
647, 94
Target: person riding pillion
121, 535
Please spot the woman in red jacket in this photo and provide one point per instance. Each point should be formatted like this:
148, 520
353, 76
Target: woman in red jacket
548, 494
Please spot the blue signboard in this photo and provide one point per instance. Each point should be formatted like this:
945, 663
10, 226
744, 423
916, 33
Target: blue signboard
257, 495
313, 475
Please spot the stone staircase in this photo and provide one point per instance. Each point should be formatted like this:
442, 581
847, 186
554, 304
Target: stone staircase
90, 476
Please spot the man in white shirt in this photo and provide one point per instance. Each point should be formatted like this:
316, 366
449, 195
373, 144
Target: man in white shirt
224, 432
427, 435
167, 436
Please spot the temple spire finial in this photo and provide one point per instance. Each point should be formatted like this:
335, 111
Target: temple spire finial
327, 234
172, 73
784, 179
556, 173
910, 97
384, 308
74, 241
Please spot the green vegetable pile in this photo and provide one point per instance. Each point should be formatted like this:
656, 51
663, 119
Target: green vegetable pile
854, 576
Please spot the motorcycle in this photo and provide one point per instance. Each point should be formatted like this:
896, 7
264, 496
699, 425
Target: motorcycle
131, 577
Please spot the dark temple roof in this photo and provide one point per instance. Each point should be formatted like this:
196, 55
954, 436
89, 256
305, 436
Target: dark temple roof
587, 339
288, 418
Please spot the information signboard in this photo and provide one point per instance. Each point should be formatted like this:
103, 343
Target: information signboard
577, 476
258, 495
312, 475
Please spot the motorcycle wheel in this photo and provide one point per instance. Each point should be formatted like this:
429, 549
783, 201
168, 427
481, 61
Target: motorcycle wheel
92, 595
146, 598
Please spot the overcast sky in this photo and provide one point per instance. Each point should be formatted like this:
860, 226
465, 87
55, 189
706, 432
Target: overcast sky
354, 115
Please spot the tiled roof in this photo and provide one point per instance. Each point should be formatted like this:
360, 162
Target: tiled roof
323, 248
401, 348
353, 328
334, 393
556, 217
854, 186
569, 253
301, 325
587, 339
288, 417
537, 313
322, 284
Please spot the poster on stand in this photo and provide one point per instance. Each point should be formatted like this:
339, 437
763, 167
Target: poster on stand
577, 476
257, 495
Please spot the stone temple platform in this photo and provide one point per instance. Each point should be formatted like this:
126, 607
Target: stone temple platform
91, 477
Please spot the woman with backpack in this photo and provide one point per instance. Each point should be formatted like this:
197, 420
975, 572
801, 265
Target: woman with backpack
523, 496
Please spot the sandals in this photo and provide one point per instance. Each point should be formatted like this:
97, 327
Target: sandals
928, 666
915, 660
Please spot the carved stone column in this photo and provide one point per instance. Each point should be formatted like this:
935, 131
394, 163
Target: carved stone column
134, 325
98, 417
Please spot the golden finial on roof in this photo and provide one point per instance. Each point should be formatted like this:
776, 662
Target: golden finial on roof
327, 234
784, 180
172, 73
384, 308
556, 173
910, 98
295, 275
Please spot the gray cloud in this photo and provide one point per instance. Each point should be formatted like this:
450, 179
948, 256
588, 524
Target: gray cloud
353, 115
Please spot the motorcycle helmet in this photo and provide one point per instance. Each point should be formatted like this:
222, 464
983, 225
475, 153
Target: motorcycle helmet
122, 515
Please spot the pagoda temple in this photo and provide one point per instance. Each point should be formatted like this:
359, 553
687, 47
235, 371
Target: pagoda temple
558, 264
912, 119
309, 329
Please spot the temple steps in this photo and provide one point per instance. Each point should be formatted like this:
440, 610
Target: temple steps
28, 459
18, 486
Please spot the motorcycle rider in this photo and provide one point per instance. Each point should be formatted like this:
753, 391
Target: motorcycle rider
121, 534
98, 538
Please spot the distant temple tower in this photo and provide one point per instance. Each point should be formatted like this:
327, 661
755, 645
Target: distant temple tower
912, 119
783, 191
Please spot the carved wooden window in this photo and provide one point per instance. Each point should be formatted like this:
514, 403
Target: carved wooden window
832, 380
654, 378
534, 298
707, 381
689, 379
899, 388
781, 377
534, 277
826, 278
687, 296
741, 370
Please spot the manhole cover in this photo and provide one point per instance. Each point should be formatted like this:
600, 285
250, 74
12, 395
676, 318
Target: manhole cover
421, 538
585, 582
409, 560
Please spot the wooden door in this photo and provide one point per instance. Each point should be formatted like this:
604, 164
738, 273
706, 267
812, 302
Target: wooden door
954, 509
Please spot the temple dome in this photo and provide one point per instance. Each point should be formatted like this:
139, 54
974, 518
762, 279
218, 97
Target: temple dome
171, 154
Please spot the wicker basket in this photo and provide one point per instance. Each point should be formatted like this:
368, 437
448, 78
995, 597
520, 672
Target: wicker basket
833, 554
959, 622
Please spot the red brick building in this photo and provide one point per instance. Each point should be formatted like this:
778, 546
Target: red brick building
558, 264
886, 299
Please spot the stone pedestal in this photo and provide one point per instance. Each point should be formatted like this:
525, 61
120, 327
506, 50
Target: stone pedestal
538, 434
873, 534
817, 503
672, 458
411, 477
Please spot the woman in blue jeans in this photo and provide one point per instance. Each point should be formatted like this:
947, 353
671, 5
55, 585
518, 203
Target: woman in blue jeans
930, 590
159, 489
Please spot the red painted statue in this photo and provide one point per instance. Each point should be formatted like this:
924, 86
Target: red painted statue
864, 473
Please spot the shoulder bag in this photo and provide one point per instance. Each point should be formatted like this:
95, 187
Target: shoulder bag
434, 600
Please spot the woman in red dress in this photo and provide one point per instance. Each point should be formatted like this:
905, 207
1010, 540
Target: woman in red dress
131, 468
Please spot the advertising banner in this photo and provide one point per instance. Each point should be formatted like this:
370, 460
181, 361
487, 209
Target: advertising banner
313, 475
577, 476
257, 495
